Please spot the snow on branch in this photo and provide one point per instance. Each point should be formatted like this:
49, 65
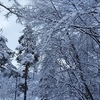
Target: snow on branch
10, 10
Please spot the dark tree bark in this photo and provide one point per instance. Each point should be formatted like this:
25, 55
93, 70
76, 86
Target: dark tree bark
25, 84
16, 89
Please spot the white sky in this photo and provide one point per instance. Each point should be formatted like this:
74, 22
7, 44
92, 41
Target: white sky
11, 29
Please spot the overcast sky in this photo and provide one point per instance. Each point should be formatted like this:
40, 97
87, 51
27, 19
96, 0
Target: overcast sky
11, 29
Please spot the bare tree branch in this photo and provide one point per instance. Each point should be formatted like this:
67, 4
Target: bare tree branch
12, 12
55, 8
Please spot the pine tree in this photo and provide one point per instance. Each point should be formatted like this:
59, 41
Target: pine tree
8, 71
5, 54
26, 56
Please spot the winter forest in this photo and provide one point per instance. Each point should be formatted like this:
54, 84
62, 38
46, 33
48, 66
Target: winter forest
58, 56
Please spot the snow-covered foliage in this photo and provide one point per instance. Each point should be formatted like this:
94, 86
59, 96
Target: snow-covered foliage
67, 30
8, 71
5, 54
66, 35
26, 57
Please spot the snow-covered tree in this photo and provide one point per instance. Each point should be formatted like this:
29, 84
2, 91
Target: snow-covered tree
68, 33
5, 54
68, 42
8, 71
26, 56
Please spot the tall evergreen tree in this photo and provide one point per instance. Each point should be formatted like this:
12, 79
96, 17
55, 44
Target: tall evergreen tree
8, 71
5, 54
26, 56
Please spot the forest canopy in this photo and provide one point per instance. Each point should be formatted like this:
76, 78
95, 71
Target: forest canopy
58, 54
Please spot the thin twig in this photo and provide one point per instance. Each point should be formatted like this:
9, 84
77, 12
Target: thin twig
55, 8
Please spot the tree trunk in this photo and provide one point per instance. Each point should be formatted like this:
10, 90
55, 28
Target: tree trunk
16, 89
25, 84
